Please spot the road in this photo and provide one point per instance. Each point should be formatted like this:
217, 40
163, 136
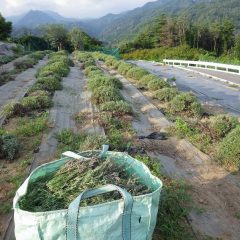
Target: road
209, 91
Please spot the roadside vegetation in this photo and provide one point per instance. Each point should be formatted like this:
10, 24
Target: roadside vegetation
211, 134
25, 123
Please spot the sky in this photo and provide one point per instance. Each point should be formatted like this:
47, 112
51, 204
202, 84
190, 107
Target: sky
70, 8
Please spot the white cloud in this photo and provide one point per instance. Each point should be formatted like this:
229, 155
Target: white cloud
70, 8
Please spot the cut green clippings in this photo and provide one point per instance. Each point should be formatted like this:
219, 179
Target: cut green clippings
58, 190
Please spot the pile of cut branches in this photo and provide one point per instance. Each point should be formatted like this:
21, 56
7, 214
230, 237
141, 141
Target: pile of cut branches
56, 191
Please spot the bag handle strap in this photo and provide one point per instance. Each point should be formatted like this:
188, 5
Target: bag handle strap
73, 210
79, 157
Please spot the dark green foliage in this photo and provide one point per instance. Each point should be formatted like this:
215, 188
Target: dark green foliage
6, 59
7, 76
229, 150
157, 84
166, 94
9, 146
185, 103
33, 43
5, 28
105, 94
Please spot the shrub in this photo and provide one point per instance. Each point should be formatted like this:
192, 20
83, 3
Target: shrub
187, 104
146, 79
93, 142
43, 72
110, 61
166, 94
61, 58
37, 55
157, 84
221, 125
50, 83
105, 94
89, 62
116, 64
95, 73
36, 102
90, 69
9, 146
123, 68
119, 107
59, 68
24, 64
229, 150
98, 81
136, 73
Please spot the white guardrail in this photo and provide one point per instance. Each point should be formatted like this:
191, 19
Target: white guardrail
233, 69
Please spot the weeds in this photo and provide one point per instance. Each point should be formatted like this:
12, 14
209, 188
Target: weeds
105, 94
229, 150
116, 107
174, 207
166, 94
186, 104
31, 127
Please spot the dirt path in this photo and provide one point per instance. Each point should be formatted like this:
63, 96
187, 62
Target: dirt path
15, 90
215, 191
10, 66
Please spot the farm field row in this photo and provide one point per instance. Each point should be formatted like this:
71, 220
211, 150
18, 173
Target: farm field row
82, 101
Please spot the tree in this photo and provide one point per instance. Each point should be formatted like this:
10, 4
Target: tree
76, 38
56, 35
227, 35
237, 46
5, 28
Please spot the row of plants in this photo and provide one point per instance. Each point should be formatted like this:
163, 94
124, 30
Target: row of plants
21, 65
17, 50
115, 116
215, 135
25, 123
114, 112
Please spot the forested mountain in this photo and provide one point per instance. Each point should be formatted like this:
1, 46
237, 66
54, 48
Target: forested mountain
124, 27
116, 28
